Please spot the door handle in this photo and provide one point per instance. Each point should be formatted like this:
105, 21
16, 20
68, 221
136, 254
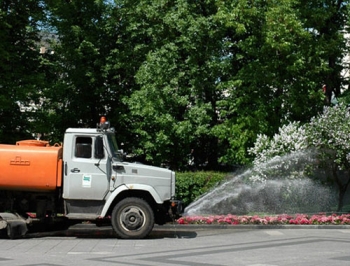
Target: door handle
75, 170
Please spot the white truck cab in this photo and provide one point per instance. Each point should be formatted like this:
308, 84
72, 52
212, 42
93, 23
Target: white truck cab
98, 184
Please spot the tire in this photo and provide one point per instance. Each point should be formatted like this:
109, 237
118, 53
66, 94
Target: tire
132, 218
10, 232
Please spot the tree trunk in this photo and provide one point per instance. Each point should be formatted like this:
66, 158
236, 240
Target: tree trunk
342, 190
342, 187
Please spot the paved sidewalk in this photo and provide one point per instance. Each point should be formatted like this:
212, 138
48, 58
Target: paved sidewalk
183, 245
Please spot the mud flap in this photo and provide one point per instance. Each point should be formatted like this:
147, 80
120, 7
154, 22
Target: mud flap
14, 225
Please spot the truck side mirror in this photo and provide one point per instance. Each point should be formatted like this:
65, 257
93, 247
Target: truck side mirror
99, 152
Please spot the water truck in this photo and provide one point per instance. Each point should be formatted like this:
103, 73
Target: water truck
45, 187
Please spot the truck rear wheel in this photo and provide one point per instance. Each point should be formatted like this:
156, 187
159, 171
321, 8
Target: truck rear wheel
132, 218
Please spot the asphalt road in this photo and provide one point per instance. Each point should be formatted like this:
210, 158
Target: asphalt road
183, 245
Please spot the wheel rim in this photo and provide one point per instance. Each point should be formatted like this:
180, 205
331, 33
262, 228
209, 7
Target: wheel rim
132, 218
9, 231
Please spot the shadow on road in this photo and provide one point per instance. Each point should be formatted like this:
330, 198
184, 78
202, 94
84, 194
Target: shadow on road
92, 231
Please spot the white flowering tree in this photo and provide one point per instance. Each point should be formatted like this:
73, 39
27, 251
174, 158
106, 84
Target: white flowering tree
328, 134
282, 155
290, 138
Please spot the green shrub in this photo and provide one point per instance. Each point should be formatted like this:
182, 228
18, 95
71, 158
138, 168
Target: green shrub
191, 185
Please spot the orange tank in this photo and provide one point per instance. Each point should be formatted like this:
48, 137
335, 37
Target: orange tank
30, 165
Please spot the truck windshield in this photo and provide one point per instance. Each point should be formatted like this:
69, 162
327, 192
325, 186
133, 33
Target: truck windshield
112, 143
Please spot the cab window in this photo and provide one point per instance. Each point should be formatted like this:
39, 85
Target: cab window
83, 147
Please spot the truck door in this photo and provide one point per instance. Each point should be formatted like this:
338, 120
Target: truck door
86, 172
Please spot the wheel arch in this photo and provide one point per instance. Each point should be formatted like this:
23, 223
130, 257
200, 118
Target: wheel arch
146, 193
142, 194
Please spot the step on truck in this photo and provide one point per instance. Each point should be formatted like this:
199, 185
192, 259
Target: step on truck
50, 187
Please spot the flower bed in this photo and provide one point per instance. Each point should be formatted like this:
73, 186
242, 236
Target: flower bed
315, 219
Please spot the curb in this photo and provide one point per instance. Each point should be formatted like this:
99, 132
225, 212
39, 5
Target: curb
253, 226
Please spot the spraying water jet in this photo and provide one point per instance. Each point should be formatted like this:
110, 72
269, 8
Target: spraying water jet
288, 184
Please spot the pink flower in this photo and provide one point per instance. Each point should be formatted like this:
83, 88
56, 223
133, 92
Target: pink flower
182, 221
230, 219
210, 221
244, 220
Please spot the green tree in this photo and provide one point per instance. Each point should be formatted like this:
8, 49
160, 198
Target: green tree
80, 93
326, 21
95, 61
220, 72
172, 76
20, 78
280, 74
175, 109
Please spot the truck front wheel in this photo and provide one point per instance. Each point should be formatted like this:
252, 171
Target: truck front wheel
132, 218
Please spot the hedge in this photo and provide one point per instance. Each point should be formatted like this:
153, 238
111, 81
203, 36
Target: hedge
191, 185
